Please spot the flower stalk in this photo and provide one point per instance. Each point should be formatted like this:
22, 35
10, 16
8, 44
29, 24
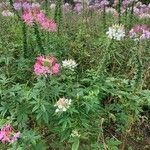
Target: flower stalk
139, 69
38, 39
58, 15
104, 18
102, 63
132, 12
24, 31
119, 10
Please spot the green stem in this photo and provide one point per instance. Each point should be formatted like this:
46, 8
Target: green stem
24, 31
46, 6
25, 47
139, 69
126, 15
102, 63
38, 39
16, 12
104, 18
58, 15
119, 10
132, 12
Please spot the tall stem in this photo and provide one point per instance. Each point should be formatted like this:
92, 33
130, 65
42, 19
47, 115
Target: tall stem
25, 45
46, 6
58, 15
119, 10
38, 39
132, 12
126, 15
104, 18
139, 69
102, 63
24, 31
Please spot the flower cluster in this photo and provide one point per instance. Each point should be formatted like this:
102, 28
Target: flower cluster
110, 10
103, 3
46, 65
142, 11
127, 3
62, 104
98, 4
17, 5
78, 7
116, 32
66, 7
53, 6
7, 13
33, 15
140, 32
75, 133
7, 134
69, 64
24, 5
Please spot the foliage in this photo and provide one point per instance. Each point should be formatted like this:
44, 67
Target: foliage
108, 88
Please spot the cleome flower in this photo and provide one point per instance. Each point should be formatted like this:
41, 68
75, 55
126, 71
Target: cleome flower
7, 134
116, 32
62, 105
139, 33
78, 7
17, 5
46, 65
33, 14
103, 3
69, 64
53, 6
25, 5
142, 10
75, 133
7, 13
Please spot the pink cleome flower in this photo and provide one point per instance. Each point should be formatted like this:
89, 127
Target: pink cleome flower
7, 134
46, 65
140, 32
28, 17
35, 15
26, 5
17, 5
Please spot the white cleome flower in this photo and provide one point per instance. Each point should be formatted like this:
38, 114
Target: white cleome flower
110, 10
53, 6
7, 13
62, 104
35, 5
69, 64
75, 133
116, 32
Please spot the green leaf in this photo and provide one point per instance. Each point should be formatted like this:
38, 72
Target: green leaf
43, 108
45, 117
75, 145
35, 108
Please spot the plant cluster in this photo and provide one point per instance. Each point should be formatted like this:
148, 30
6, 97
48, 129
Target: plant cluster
73, 76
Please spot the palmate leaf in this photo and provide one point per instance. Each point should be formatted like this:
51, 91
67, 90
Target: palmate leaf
146, 96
